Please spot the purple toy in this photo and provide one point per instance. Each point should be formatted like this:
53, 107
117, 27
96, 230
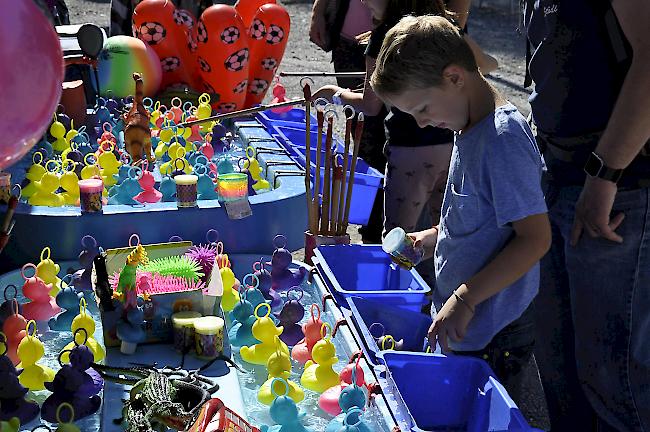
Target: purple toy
265, 282
283, 277
81, 278
12, 393
291, 314
74, 385
7, 308
205, 255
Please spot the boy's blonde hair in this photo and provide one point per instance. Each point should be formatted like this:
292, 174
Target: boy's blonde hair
415, 53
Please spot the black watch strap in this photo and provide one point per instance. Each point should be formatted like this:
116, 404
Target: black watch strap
595, 167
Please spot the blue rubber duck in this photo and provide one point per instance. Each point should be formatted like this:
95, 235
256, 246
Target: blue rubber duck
205, 186
168, 189
67, 299
241, 333
125, 192
284, 412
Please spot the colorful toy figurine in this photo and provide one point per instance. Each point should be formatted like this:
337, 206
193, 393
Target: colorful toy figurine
48, 271
253, 167
45, 191
319, 374
168, 189
70, 184
284, 412
72, 385
301, 352
241, 331
230, 294
12, 397
282, 276
31, 350
137, 134
34, 175
110, 167
149, 193
42, 306
57, 130
292, 312
205, 185
90, 250
347, 394
266, 332
351, 421
7, 307
14, 330
279, 96
265, 283
279, 366
86, 322
253, 295
128, 190
67, 299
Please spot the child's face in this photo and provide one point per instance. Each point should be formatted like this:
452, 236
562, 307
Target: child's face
443, 106
376, 7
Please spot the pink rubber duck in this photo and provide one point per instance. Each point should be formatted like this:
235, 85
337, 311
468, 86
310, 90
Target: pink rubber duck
42, 306
14, 329
279, 95
149, 193
301, 352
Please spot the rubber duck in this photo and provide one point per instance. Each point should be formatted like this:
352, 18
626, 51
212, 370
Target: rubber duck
282, 276
253, 295
241, 332
264, 285
90, 250
350, 421
67, 299
266, 332
42, 306
126, 191
336, 399
110, 166
284, 412
301, 352
205, 185
34, 175
57, 130
91, 169
279, 96
48, 271
7, 307
253, 166
70, 184
230, 294
149, 193
167, 189
279, 366
30, 351
14, 330
292, 312
84, 321
45, 192
319, 374
203, 111
12, 396
66, 426
72, 132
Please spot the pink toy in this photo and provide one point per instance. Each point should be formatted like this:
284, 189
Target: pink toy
149, 193
279, 95
14, 330
42, 306
329, 400
282, 276
302, 351
158, 284
107, 135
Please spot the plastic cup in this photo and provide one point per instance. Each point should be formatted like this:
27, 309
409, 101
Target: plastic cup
186, 190
233, 186
90, 195
208, 336
400, 246
183, 323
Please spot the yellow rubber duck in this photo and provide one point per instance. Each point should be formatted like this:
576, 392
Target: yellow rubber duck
265, 331
110, 166
203, 111
84, 321
319, 374
48, 271
45, 188
34, 175
70, 182
253, 166
57, 130
230, 295
279, 366
30, 350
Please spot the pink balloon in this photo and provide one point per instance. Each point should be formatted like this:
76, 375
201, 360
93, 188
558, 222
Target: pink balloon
30, 78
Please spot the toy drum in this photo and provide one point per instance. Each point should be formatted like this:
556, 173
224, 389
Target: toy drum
90, 195
208, 336
183, 323
5, 187
400, 246
186, 190
232, 186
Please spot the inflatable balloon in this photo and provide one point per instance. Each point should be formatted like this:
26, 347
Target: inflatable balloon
165, 29
30, 78
248, 8
120, 57
223, 56
269, 34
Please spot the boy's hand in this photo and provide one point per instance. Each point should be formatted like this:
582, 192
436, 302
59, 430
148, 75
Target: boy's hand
425, 239
326, 92
451, 322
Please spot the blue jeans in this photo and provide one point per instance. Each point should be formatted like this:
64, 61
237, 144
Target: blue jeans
593, 319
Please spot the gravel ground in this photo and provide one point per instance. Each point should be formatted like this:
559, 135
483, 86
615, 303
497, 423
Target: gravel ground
495, 29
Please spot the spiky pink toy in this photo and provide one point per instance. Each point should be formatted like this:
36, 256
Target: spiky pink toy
158, 284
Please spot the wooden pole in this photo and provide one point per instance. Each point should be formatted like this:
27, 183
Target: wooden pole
336, 196
311, 217
353, 167
346, 158
320, 117
325, 74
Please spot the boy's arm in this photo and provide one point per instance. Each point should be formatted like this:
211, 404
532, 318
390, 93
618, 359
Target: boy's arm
531, 241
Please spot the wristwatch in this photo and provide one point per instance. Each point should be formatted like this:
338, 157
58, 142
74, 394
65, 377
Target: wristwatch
595, 167
336, 98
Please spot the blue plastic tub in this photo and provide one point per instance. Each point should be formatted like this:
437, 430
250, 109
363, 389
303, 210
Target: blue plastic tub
367, 271
293, 118
367, 180
432, 392
402, 324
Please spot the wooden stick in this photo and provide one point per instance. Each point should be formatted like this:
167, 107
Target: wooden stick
336, 196
325, 74
11, 208
311, 220
346, 157
320, 117
327, 179
353, 167
240, 113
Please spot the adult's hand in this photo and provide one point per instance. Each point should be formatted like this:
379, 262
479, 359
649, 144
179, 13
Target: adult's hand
593, 211
318, 28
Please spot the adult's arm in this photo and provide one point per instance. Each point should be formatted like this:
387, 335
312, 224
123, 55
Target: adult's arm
318, 29
461, 9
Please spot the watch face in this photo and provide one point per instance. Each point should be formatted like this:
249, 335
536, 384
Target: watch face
593, 165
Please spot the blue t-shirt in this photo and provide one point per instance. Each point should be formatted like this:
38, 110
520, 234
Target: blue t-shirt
494, 180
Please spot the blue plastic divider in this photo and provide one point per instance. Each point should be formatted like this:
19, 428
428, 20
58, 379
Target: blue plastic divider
432, 392
400, 323
294, 118
367, 271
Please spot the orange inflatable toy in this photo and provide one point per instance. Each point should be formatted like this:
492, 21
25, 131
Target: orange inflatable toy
269, 33
165, 28
223, 56
247, 9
